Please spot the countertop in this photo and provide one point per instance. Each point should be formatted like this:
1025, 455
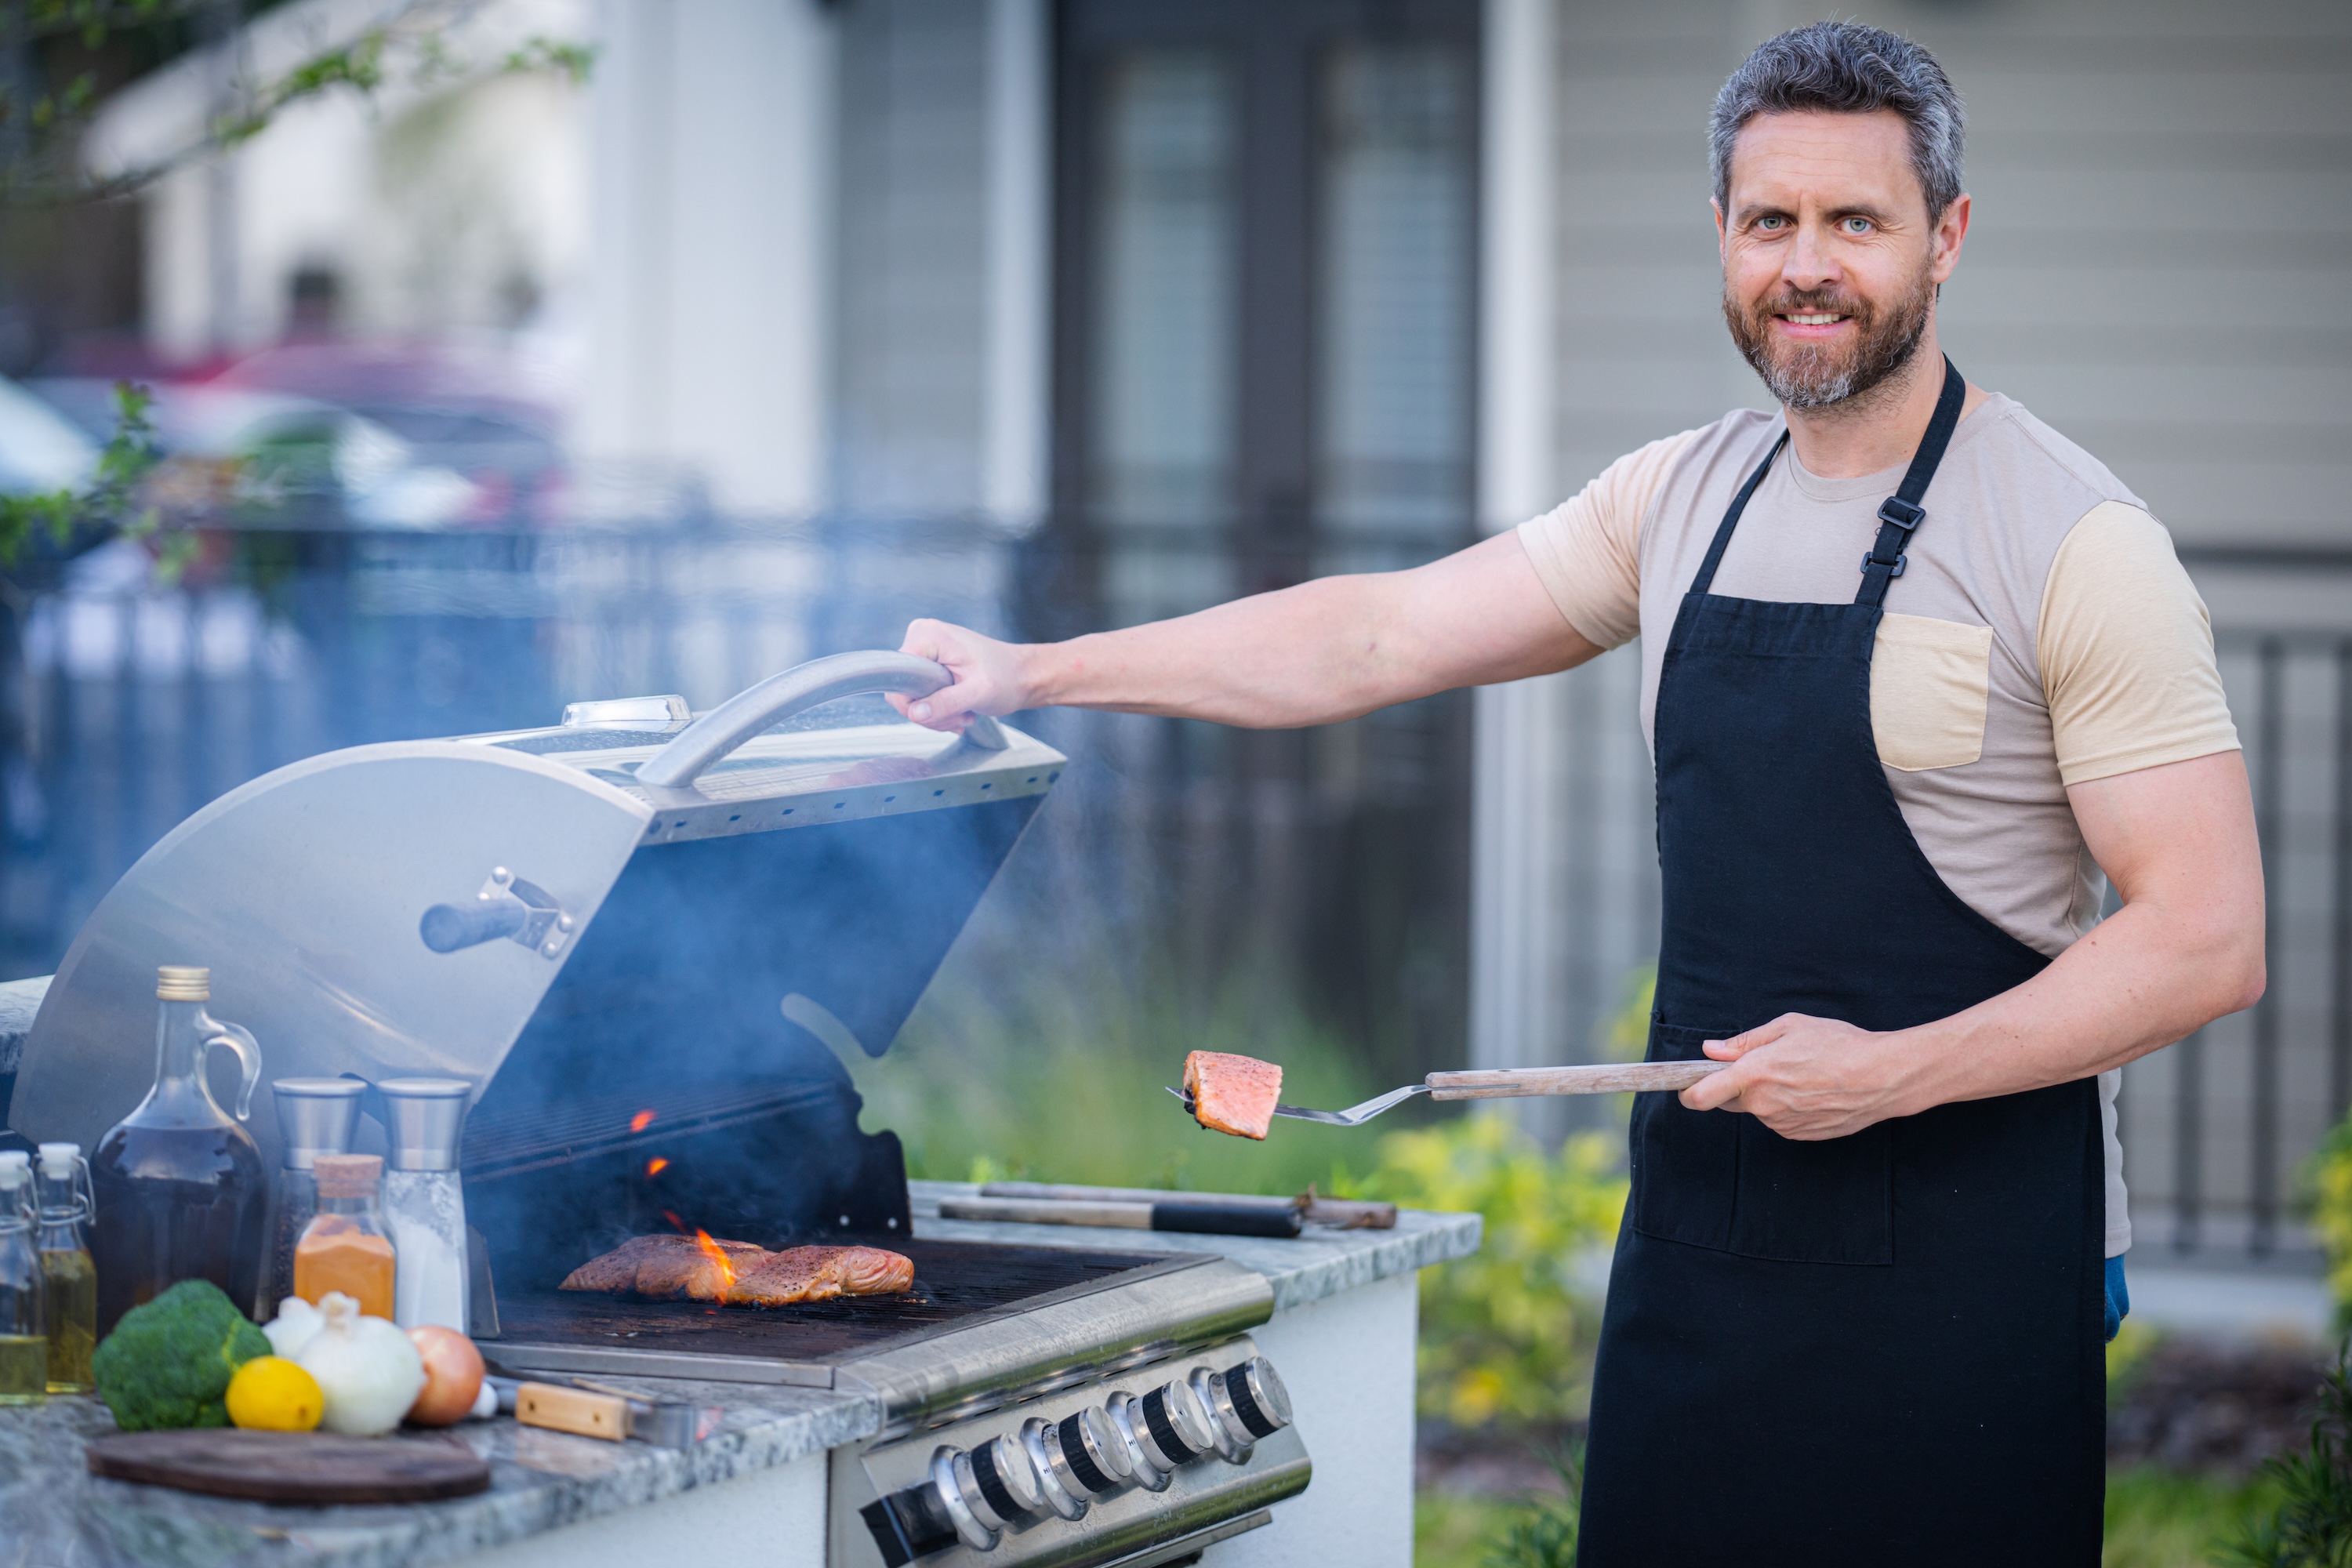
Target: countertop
52, 1511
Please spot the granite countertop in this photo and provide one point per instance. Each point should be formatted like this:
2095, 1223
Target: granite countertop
52, 1511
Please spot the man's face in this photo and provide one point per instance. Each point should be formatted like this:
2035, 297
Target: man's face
1830, 261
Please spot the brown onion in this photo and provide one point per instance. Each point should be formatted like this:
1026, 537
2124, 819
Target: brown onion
453, 1376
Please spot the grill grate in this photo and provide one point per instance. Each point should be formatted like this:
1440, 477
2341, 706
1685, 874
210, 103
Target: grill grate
955, 1281
560, 1134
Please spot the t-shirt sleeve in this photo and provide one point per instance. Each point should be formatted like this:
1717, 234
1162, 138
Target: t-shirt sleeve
1587, 551
2126, 651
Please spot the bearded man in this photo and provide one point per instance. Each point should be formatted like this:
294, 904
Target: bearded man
1917, 669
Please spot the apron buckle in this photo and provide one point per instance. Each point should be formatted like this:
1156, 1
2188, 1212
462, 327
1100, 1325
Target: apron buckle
1895, 568
1897, 512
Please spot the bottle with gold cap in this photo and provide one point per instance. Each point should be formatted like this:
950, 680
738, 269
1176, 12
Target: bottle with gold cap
180, 1191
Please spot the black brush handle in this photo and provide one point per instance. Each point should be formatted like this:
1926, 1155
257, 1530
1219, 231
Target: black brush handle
1224, 1219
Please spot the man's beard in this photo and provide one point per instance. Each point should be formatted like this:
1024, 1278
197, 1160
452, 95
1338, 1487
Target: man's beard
1818, 374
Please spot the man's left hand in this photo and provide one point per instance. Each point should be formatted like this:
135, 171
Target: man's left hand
1804, 1078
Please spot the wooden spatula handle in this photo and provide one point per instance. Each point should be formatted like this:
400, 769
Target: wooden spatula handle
1599, 1078
572, 1410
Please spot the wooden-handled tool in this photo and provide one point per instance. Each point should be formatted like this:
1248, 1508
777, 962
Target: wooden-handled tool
1512, 1083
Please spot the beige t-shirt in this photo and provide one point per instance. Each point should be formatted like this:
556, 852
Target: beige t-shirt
2042, 635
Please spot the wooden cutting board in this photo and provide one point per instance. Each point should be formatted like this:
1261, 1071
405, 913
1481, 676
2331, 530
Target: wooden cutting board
293, 1467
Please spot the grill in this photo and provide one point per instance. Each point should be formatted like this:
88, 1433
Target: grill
648, 942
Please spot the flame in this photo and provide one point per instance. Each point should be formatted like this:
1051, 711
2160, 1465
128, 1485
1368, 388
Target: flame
717, 1255
655, 1167
641, 1121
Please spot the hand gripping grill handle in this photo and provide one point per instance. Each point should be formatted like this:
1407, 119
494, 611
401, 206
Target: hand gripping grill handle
796, 690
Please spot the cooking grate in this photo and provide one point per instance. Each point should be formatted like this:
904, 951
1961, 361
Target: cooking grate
955, 1282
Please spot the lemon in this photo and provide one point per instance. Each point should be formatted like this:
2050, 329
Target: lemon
270, 1394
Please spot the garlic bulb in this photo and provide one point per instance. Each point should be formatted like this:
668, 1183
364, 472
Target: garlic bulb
294, 1325
367, 1368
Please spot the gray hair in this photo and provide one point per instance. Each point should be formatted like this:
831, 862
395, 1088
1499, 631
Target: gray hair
1846, 68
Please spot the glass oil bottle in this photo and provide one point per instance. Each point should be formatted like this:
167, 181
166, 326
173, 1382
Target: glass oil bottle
182, 1186
66, 1204
24, 1347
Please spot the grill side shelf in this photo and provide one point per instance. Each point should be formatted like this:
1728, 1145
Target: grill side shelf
957, 1369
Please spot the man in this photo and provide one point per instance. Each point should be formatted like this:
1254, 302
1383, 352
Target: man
1915, 668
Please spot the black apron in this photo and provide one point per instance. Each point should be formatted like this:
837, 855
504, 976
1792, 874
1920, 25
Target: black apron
1882, 1349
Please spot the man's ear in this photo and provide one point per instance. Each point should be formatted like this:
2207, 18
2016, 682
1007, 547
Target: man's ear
1951, 231
1721, 240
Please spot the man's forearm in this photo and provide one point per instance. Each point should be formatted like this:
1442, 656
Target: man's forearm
1323, 651
2142, 979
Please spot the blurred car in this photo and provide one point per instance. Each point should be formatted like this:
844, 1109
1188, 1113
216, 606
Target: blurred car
40, 450
226, 447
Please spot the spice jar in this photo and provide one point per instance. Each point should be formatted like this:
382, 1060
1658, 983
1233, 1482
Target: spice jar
315, 1117
423, 1201
345, 1247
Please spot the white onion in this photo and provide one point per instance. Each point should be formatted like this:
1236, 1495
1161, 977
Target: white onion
366, 1367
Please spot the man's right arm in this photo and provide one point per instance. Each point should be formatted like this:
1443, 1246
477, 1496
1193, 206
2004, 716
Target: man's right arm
1325, 650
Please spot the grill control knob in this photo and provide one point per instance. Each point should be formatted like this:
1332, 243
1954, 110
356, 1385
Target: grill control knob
1248, 1402
1177, 1427
1041, 1440
1004, 1488
953, 1479
1088, 1456
1258, 1396
1125, 1413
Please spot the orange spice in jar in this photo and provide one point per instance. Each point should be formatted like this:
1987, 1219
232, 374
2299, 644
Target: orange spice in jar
344, 1246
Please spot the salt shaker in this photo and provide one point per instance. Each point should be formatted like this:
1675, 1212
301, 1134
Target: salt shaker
423, 1205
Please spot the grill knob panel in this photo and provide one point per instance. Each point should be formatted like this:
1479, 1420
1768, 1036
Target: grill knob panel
1234, 1437
1125, 1414
1176, 1426
1258, 1396
951, 1477
1040, 1440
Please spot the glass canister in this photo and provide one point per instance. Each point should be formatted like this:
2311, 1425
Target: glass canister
182, 1186
24, 1346
422, 1202
66, 1205
345, 1247
315, 1116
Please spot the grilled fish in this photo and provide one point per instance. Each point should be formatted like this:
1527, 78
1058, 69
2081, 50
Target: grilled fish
679, 1267
1233, 1094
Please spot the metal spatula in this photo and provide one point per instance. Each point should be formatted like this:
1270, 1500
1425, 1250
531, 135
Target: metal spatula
1512, 1083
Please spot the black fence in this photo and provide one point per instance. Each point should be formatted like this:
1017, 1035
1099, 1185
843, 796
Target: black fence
1331, 864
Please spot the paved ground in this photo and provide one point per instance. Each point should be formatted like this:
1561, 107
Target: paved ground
2232, 1304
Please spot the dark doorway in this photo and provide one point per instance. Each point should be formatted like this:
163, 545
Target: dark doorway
1264, 309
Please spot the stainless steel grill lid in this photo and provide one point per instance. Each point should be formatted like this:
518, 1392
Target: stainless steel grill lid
525, 902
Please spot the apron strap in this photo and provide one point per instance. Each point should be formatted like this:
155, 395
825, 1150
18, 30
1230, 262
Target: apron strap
1706, 578
1900, 514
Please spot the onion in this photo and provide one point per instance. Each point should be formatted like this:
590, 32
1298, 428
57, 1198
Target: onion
367, 1368
453, 1376
296, 1324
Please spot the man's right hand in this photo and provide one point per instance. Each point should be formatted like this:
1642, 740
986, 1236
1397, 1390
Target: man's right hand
988, 676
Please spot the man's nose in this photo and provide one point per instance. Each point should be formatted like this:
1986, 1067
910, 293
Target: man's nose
1808, 263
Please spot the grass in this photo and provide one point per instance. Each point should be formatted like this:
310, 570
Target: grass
2155, 1519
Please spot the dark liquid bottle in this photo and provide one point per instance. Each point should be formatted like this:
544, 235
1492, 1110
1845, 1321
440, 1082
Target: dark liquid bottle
182, 1192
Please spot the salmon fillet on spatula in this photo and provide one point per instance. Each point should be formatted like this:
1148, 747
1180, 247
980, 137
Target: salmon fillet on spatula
1231, 1093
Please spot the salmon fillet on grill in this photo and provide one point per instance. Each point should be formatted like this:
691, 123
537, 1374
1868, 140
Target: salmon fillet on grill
1233, 1094
659, 1266
821, 1273
676, 1267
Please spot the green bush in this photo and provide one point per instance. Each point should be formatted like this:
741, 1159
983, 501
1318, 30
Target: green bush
1508, 1334
2311, 1524
2329, 1177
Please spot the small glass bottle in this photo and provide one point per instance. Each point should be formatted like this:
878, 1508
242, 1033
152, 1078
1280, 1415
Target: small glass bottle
24, 1347
65, 1204
184, 1191
345, 1247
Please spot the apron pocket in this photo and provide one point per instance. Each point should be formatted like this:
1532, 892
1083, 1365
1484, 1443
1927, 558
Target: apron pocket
1724, 1179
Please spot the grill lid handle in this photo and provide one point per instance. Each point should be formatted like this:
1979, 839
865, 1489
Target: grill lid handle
796, 690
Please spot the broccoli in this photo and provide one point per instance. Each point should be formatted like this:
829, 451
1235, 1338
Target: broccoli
167, 1363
